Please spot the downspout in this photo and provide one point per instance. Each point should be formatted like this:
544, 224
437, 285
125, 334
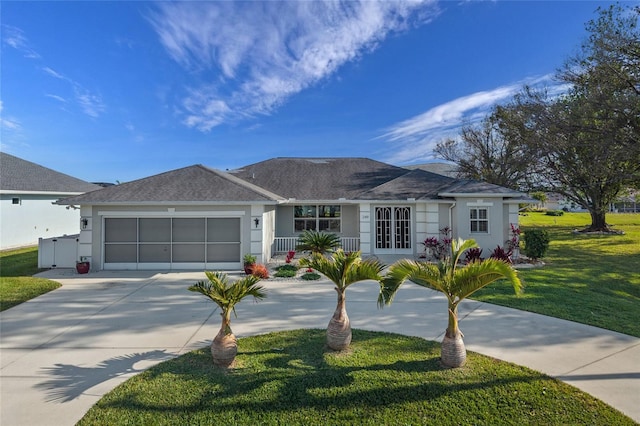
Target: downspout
451, 217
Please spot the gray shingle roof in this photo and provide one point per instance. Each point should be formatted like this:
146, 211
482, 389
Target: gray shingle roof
280, 179
190, 184
17, 174
319, 178
418, 184
460, 186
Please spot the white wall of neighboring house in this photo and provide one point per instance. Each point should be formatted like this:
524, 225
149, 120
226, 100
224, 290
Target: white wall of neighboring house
33, 217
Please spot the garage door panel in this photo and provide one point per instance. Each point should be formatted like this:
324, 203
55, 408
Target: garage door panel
223, 253
223, 230
120, 253
155, 230
120, 230
155, 253
188, 230
188, 253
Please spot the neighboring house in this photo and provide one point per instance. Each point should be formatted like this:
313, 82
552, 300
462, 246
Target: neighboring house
27, 195
197, 217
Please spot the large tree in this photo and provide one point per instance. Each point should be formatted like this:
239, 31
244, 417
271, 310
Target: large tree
583, 144
482, 152
587, 141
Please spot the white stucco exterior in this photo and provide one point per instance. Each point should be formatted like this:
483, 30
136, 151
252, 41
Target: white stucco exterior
27, 216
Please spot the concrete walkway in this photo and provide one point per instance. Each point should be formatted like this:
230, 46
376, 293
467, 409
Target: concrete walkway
60, 352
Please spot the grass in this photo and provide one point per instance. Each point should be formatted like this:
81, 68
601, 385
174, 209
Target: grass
289, 378
16, 283
591, 279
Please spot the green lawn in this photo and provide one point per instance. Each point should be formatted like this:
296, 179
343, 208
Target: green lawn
289, 378
16, 283
591, 279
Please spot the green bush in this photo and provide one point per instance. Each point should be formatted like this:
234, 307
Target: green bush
310, 276
536, 243
554, 213
285, 273
287, 267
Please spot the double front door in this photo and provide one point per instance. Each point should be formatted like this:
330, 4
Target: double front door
393, 230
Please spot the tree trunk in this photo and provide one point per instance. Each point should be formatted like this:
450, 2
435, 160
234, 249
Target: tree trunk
453, 354
224, 346
339, 328
598, 221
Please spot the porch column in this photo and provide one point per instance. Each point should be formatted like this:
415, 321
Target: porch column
365, 229
257, 225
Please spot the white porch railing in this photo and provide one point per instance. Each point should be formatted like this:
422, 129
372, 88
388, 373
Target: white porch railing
285, 244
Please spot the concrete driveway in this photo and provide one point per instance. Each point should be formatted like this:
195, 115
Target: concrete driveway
61, 352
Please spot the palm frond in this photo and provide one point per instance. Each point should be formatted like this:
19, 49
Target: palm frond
344, 269
226, 295
476, 275
421, 273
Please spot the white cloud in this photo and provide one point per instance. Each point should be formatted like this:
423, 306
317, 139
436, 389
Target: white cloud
413, 140
56, 97
91, 104
264, 52
15, 38
53, 73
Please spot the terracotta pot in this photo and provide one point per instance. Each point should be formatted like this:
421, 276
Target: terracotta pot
248, 268
83, 267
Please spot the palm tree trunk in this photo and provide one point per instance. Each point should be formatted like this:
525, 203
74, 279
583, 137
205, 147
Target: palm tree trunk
339, 328
224, 346
452, 352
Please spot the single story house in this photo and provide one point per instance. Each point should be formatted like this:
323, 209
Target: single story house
28, 192
200, 218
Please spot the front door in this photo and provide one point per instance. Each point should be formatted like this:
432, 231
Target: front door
393, 230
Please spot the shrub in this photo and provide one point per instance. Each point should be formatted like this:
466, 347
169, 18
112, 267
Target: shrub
248, 259
554, 213
473, 255
310, 276
260, 271
287, 267
318, 242
500, 254
286, 271
536, 243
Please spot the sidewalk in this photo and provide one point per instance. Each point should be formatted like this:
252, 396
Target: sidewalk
60, 352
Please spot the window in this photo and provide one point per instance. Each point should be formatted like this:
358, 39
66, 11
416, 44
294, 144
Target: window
317, 218
479, 220
15, 200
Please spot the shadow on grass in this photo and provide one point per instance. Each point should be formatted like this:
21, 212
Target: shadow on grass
302, 374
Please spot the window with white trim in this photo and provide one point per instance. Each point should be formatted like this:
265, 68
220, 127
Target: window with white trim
321, 217
479, 219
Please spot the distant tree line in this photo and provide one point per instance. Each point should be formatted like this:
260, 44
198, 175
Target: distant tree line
584, 143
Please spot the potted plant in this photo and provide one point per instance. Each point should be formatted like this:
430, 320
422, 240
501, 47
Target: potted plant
248, 261
82, 266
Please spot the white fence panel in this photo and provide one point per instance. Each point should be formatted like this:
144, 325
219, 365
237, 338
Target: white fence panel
59, 252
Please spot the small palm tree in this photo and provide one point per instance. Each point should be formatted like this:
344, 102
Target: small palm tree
343, 269
318, 242
226, 295
456, 283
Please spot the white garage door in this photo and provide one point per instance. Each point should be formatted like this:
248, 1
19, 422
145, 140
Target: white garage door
172, 243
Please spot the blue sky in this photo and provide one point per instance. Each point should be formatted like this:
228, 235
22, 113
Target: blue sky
116, 91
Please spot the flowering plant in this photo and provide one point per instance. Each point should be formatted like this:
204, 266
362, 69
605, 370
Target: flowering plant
290, 255
514, 242
439, 247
